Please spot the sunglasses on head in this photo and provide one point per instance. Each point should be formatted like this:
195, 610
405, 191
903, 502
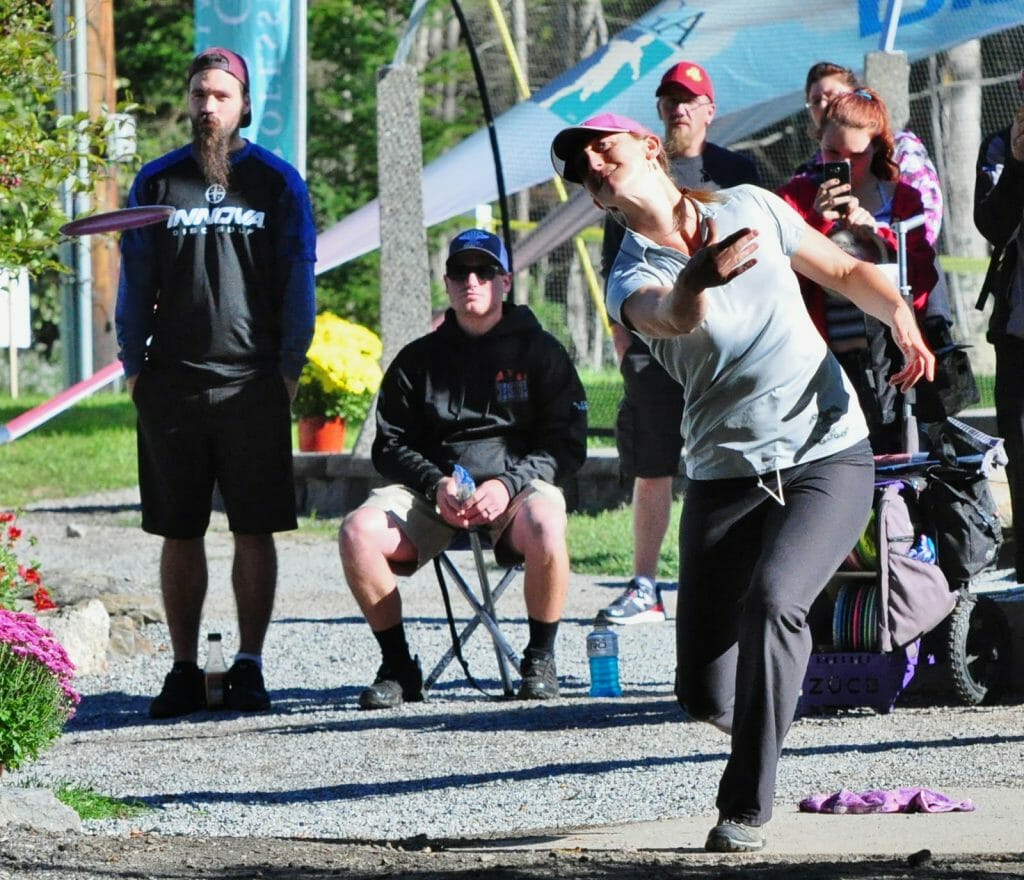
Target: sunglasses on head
484, 273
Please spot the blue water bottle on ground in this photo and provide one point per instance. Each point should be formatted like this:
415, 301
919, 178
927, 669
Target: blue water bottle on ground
603, 653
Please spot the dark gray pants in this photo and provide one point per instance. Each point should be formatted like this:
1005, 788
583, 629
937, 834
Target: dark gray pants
749, 570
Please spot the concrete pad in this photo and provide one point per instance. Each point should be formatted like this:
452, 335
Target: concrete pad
993, 827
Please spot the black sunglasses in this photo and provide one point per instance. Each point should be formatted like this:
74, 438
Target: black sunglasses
484, 273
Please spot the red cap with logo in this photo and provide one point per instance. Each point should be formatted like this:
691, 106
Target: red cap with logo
690, 76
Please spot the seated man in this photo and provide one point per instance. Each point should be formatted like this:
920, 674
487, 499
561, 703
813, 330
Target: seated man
492, 391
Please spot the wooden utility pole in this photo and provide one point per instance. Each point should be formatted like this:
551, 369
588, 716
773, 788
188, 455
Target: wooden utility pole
102, 78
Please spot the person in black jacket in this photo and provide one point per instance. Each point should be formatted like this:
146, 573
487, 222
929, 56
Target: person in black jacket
491, 391
998, 214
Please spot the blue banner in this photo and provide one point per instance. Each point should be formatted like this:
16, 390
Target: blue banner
262, 32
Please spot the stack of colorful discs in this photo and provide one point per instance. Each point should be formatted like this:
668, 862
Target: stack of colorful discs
855, 619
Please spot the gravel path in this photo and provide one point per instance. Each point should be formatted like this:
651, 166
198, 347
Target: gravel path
459, 764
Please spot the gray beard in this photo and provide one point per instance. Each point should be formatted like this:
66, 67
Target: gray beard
211, 149
678, 142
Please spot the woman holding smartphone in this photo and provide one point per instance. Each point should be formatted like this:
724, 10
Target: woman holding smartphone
824, 81
858, 213
780, 471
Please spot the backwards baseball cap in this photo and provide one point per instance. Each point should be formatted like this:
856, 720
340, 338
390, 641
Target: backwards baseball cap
569, 142
219, 58
481, 241
691, 76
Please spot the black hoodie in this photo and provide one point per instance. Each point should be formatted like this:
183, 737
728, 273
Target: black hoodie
506, 405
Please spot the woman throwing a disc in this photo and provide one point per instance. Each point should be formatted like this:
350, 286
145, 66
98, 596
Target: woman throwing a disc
780, 470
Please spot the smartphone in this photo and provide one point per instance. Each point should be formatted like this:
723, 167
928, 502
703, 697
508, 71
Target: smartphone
836, 171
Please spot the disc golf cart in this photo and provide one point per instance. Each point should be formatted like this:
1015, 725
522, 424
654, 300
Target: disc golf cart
903, 599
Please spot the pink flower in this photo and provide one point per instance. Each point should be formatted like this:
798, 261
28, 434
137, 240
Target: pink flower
28, 639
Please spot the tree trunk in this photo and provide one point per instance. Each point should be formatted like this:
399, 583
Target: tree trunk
960, 119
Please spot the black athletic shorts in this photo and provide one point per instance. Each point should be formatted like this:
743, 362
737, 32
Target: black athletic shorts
647, 429
235, 436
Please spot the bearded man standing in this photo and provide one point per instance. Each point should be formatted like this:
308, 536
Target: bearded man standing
215, 313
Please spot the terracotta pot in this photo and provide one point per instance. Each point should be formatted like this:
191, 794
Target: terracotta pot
317, 434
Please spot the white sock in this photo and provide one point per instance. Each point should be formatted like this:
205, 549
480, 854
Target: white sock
649, 585
255, 658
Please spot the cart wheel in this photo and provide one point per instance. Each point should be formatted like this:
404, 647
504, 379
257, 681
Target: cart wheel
978, 650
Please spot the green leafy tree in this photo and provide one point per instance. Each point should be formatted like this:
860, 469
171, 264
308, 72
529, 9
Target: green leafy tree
41, 149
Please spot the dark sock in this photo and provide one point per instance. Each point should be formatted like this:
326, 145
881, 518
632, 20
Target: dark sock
394, 648
184, 665
542, 636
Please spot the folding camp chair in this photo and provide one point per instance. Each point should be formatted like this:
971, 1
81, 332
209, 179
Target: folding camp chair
482, 606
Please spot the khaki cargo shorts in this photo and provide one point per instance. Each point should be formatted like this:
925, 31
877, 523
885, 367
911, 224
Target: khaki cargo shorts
420, 522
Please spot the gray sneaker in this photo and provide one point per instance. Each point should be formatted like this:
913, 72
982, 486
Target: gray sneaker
735, 837
637, 605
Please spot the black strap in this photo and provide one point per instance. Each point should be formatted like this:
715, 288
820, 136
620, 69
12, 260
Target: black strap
456, 646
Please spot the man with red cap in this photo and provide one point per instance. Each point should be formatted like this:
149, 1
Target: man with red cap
215, 312
647, 430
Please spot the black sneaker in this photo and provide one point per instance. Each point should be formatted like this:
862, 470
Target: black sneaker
243, 688
184, 692
735, 837
392, 688
637, 604
540, 680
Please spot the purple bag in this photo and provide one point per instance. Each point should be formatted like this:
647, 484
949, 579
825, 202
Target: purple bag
915, 595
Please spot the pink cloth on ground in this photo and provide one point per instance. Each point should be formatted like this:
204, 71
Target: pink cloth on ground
899, 800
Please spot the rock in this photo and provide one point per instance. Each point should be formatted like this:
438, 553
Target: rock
69, 586
84, 631
142, 609
126, 639
73, 530
36, 809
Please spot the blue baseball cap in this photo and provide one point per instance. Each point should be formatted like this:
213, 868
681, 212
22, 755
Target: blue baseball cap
482, 241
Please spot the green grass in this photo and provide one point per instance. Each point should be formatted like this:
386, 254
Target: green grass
602, 543
89, 804
88, 448
604, 390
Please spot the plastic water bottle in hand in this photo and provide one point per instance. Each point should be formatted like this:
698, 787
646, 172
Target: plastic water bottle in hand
603, 653
464, 484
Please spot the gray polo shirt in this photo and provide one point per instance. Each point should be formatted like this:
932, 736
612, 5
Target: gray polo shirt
762, 391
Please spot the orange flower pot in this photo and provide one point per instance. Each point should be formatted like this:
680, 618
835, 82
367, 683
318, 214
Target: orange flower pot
317, 434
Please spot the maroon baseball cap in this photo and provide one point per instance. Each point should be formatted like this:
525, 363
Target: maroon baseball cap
690, 76
219, 58
570, 141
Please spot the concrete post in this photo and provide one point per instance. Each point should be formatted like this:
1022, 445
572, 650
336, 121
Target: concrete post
404, 268
888, 73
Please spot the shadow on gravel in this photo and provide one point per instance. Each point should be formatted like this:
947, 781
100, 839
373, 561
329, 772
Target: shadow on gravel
444, 784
